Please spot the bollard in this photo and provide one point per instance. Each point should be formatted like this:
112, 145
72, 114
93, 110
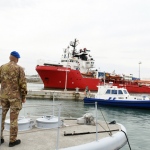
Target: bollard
0, 122
77, 90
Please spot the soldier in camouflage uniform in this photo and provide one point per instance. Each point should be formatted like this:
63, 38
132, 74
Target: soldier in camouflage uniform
12, 95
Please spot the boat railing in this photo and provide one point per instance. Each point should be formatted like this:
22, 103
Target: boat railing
106, 84
34, 110
57, 109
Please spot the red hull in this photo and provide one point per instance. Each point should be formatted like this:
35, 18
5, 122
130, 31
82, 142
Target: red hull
55, 77
136, 88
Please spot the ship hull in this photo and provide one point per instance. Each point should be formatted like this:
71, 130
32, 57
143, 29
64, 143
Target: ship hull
65, 78
58, 77
134, 88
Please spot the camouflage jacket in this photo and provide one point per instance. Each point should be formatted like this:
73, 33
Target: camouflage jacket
13, 81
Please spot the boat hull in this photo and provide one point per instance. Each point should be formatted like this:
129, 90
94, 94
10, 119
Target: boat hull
144, 104
108, 143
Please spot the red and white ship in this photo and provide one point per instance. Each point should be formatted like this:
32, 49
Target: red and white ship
77, 70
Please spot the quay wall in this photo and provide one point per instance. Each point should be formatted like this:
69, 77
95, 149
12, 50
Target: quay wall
60, 95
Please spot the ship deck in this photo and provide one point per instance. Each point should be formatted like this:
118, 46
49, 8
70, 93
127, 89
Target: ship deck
37, 139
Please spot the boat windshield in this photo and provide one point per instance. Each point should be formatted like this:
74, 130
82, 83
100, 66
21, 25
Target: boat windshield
116, 91
108, 92
125, 91
120, 92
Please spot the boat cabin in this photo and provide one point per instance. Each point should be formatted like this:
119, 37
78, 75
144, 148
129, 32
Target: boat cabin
111, 90
116, 91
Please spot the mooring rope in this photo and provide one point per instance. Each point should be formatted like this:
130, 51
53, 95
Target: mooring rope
126, 138
106, 122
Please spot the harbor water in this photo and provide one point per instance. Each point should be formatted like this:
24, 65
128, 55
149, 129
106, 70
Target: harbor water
136, 121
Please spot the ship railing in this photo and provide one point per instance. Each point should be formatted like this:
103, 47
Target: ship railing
30, 111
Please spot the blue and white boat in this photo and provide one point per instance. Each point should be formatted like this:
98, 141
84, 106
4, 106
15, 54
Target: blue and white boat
110, 95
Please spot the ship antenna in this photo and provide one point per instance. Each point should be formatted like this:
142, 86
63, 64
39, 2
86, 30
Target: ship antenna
74, 44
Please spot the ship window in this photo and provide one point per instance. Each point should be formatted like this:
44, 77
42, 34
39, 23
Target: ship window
125, 91
120, 92
114, 91
108, 91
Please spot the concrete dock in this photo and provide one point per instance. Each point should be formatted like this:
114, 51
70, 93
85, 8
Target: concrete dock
58, 94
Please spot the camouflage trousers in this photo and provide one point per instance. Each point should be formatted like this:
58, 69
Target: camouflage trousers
15, 106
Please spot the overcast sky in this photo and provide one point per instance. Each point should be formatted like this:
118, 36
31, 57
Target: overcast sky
116, 31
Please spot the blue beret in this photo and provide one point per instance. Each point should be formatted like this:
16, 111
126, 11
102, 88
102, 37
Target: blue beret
15, 54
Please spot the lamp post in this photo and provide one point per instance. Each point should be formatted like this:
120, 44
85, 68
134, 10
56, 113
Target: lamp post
139, 68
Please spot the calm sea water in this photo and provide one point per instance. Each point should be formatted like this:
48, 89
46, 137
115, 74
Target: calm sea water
136, 121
